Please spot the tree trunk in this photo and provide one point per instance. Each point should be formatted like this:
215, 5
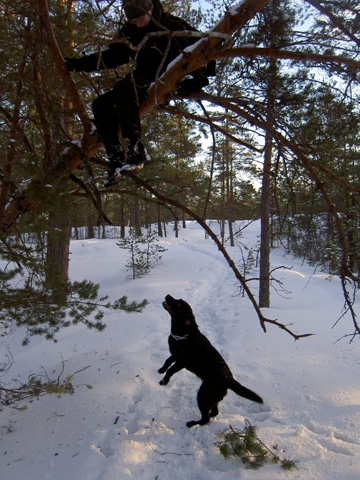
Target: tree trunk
159, 226
264, 287
137, 216
265, 236
57, 256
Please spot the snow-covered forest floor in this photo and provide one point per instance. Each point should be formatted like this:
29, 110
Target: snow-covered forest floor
126, 426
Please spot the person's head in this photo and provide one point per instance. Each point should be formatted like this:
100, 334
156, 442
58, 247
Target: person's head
138, 12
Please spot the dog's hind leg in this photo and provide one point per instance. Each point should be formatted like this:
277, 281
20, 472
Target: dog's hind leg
208, 397
214, 411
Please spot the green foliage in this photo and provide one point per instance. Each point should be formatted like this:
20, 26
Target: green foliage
143, 252
27, 300
33, 388
246, 446
18, 394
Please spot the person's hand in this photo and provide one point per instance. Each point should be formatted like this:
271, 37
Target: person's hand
191, 85
72, 64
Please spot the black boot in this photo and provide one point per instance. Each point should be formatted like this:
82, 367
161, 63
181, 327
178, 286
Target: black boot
116, 162
137, 158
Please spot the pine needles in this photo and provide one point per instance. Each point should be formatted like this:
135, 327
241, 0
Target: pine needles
246, 446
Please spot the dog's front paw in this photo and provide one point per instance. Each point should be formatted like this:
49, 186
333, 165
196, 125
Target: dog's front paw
162, 370
164, 381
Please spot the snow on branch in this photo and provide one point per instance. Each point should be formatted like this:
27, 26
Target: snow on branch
199, 54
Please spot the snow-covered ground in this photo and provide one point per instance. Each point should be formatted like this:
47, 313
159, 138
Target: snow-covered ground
129, 427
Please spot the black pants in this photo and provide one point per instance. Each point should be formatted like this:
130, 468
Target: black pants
120, 107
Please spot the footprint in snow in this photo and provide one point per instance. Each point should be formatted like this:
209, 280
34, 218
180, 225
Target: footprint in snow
109, 442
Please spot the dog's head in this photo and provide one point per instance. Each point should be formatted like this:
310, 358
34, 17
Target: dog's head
182, 316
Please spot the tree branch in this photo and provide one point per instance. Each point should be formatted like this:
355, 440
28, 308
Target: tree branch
60, 64
171, 201
310, 166
353, 65
334, 20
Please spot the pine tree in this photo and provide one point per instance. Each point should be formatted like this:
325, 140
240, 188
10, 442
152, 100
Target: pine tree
143, 252
289, 81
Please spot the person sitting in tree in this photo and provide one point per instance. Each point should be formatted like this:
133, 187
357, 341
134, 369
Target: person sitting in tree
120, 106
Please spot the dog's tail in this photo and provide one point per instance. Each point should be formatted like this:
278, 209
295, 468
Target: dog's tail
244, 392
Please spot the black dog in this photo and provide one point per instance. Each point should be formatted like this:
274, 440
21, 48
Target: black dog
190, 349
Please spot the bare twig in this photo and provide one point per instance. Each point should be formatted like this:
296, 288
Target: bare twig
168, 453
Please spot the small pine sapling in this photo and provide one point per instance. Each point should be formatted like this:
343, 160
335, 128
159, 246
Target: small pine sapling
143, 252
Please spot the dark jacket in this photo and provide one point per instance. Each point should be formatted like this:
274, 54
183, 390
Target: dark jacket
156, 52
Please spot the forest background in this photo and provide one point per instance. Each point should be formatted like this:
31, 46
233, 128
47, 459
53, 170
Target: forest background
275, 136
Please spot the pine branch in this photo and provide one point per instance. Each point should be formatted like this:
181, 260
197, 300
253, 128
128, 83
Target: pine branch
247, 446
334, 20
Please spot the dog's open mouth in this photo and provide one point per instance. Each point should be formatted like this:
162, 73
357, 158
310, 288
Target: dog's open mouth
166, 306
170, 303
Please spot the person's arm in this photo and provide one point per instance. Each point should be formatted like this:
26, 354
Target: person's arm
118, 53
87, 63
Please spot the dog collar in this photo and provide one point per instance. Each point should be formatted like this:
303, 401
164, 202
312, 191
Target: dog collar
177, 337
